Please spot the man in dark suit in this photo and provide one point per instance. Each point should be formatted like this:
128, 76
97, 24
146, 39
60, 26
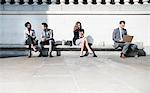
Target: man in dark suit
117, 37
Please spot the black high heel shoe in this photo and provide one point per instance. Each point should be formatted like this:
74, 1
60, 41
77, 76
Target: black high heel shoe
82, 56
94, 55
86, 54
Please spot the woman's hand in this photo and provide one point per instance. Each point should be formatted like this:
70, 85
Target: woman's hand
81, 34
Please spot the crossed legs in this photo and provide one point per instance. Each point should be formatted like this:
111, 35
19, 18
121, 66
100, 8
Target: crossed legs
84, 44
125, 48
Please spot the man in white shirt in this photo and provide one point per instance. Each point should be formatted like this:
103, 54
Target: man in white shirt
47, 39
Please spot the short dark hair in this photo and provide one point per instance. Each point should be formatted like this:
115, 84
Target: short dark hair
122, 22
26, 24
45, 24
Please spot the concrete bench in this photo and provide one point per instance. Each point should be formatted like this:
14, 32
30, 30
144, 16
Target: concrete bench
102, 47
60, 48
14, 49
17, 49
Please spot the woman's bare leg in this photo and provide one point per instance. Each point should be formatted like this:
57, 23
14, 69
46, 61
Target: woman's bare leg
84, 43
82, 47
87, 46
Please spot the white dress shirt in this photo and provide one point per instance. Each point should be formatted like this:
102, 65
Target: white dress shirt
120, 29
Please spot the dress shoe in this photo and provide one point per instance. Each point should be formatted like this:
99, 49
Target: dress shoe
51, 55
122, 55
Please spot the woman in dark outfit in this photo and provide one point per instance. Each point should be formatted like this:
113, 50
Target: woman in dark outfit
30, 38
30, 35
80, 40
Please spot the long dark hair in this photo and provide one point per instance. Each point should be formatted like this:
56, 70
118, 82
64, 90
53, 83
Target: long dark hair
76, 26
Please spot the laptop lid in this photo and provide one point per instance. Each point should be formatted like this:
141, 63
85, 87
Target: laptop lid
127, 38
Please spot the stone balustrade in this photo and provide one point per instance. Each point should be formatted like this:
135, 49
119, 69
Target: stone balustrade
44, 2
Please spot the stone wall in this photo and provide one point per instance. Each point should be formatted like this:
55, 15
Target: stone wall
98, 21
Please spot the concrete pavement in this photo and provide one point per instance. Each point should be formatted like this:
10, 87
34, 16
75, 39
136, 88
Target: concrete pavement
71, 74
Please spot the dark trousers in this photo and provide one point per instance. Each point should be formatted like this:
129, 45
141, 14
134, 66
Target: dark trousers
30, 41
47, 42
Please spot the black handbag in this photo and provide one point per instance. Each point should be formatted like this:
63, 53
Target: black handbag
141, 52
68, 42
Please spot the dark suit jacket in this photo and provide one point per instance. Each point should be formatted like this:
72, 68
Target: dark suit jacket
116, 36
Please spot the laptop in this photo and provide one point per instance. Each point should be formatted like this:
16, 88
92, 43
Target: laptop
127, 38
